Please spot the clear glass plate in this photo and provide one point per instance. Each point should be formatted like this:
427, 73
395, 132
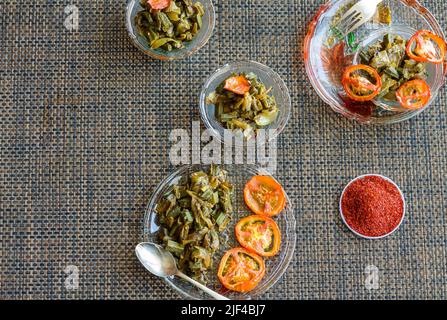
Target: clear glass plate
326, 61
275, 267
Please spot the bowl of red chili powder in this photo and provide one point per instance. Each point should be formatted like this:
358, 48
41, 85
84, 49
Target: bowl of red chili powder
372, 206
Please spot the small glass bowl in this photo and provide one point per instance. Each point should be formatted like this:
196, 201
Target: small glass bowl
191, 47
275, 266
325, 61
354, 231
265, 74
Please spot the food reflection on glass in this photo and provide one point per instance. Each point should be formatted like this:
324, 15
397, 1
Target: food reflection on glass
244, 104
168, 24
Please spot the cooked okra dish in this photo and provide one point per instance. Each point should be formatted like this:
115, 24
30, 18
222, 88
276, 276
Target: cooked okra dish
389, 58
243, 103
396, 70
169, 24
193, 215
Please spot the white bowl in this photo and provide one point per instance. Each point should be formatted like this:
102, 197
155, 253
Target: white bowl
354, 231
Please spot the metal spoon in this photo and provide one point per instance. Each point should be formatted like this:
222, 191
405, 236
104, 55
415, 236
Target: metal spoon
161, 263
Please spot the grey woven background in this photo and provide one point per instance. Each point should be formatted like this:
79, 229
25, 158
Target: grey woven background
85, 120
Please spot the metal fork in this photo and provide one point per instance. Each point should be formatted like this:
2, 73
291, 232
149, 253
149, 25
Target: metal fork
359, 14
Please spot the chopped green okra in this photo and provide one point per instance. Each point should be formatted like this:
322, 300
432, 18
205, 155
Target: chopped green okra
192, 214
169, 28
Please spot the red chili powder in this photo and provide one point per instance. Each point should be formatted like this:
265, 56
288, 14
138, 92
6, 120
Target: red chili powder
372, 206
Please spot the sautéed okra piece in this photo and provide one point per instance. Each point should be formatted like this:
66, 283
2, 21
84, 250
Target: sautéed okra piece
169, 28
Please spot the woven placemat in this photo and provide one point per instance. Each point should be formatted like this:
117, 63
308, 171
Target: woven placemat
85, 121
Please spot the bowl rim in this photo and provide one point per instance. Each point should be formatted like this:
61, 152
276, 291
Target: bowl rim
181, 53
358, 233
421, 10
290, 244
240, 64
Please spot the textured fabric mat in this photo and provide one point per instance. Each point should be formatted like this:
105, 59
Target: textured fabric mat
85, 121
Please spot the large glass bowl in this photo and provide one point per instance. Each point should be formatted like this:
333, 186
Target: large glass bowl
325, 60
275, 267
265, 74
191, 47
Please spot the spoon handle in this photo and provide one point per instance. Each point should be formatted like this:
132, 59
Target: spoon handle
215, 295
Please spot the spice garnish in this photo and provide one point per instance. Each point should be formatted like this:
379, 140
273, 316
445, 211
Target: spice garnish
192, 214
372, 206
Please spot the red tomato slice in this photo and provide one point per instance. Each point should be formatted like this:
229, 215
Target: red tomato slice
414, 94
241, 270
237, 84
263, 195
426, 46
357, 84
259, 234
159, 4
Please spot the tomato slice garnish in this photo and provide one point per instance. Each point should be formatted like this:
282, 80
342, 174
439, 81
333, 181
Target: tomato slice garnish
426, 46
259, 234
361, 82
414, 94
159, 4
237, 84
264, 195
241, 270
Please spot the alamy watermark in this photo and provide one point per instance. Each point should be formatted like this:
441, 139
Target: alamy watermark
71, 22
206, 147
371, 277
72, 278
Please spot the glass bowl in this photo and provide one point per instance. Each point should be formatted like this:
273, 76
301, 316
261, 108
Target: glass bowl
362, 235
271, 80
326, 60
191, 47
275, 267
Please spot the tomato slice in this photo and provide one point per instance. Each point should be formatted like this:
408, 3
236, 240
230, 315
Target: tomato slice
263, 195
414, 94
241, 270
426, 46
237, 84
361, 82
259, 234
159, 4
